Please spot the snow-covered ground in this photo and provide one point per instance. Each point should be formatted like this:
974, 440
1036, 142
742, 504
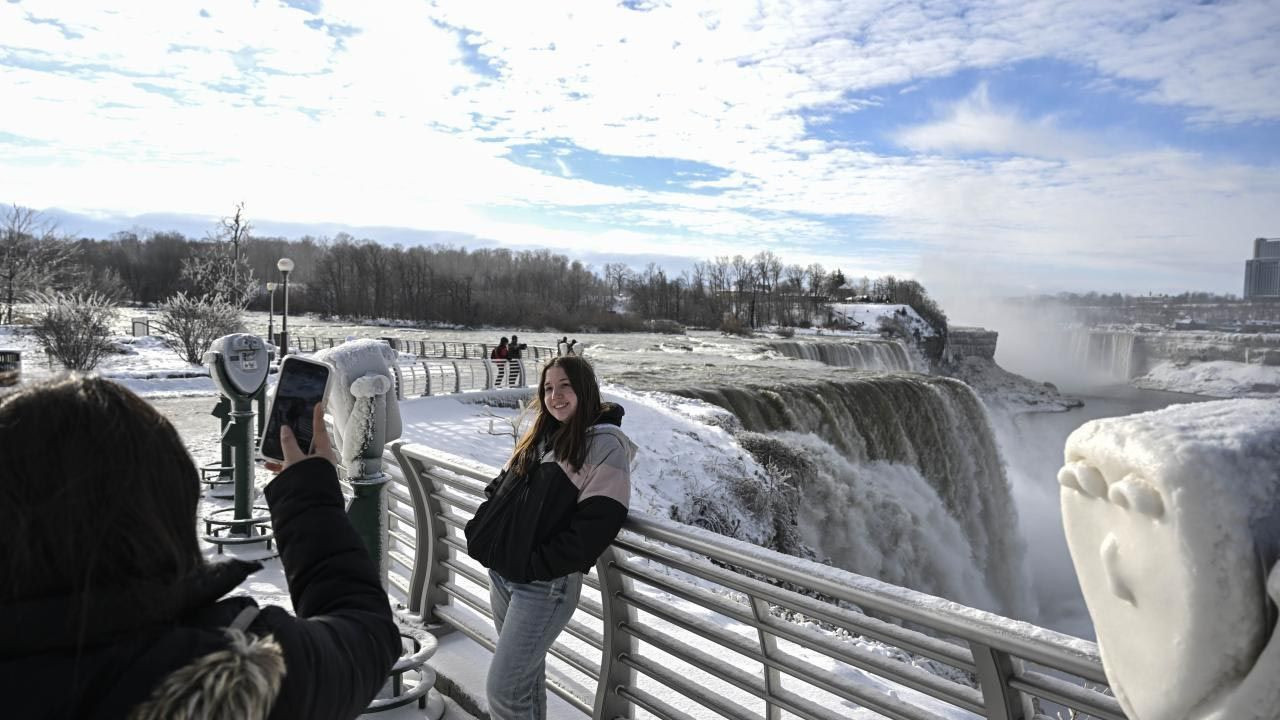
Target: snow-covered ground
868, 315
1215, 378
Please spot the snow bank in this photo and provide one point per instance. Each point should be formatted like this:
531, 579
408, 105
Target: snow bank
682, 457
1173, 522
1216, 378
869, 314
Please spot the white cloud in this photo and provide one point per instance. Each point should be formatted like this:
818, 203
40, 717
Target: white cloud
155, 108
975, 125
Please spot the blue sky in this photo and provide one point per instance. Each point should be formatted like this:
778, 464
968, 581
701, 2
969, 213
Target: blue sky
1007, 147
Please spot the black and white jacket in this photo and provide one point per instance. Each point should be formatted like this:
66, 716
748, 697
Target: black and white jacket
176, 650
557, 520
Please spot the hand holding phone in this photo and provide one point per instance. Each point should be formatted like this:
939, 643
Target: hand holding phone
300, 389
322, 446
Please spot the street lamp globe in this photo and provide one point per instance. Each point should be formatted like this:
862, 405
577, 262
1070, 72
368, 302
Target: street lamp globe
284, 265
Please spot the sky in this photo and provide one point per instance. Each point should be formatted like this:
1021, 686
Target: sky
996, 147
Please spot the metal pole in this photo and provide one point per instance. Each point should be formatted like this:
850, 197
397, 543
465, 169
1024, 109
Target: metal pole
271, 314
242, 447
368, 509
223, 413
284, 318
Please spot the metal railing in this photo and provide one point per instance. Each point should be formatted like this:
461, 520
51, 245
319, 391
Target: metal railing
421, 348
417, 378
680, 623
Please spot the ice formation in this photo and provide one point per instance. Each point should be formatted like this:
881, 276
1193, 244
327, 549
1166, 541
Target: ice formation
1173, 522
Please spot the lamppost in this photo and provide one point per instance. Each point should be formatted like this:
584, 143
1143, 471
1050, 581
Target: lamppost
285, 266
271, 314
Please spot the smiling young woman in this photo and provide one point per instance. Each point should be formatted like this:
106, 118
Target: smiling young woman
552, 510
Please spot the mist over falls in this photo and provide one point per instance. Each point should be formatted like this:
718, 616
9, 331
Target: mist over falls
898, 478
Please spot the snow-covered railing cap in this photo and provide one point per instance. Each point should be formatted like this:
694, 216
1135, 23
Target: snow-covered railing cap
1173, 522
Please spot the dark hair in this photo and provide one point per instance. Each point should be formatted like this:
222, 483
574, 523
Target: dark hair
503, 341
97, 491
568, 439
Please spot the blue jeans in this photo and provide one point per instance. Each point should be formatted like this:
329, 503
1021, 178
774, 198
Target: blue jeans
528, 616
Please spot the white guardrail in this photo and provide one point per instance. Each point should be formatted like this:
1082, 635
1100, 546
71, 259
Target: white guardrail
431, 376
682, 623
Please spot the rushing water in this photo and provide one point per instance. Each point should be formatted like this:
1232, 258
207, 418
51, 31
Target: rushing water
907, 484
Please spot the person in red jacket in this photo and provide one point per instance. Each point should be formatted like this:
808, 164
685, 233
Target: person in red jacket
499, 356
552, 511
109, 607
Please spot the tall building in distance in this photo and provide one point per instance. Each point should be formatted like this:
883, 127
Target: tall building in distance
1262, 273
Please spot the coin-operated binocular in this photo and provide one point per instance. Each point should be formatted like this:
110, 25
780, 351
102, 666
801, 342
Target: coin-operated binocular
238, 364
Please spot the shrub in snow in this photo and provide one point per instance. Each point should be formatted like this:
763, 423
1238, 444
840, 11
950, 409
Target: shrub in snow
191, 324
75, 328
733, 325
785, 332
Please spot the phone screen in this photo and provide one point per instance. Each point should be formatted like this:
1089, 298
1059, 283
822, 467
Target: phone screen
299, 390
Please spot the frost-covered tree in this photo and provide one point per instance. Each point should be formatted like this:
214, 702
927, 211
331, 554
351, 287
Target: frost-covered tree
31, 256
74, 328
219, 284
191, 324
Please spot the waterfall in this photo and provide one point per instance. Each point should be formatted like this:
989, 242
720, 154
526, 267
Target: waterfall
863, 354
908, 483
1112, 354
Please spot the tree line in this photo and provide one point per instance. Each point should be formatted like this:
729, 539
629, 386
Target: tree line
355, 278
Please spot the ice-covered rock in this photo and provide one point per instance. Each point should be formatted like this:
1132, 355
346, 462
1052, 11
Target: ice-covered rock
1173, 522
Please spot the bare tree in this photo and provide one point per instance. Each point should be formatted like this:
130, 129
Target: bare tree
31, 256
235, 230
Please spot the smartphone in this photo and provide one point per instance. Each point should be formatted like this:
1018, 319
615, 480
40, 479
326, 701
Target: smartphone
302, 384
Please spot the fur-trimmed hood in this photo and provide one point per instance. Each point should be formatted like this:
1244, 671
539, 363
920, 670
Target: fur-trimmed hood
239, 682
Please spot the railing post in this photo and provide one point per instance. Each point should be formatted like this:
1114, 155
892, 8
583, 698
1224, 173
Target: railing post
488, 374
399, 380
426, 369
994, 670
426, 586
457, 378
768, 648
617, 642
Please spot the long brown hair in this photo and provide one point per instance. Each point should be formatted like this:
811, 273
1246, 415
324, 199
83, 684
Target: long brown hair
96, 490
568, 439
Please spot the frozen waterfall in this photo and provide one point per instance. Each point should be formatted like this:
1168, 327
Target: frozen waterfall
904, 481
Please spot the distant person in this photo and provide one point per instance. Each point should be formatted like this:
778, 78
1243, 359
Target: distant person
562, 346
568, 348
516, 348
109, 607
550, 513
499, 356
500, 352
514, 353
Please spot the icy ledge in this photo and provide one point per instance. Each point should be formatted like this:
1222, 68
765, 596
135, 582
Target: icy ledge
1173, 522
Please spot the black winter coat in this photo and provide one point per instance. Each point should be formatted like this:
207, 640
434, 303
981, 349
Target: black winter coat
557, 520
337, 651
